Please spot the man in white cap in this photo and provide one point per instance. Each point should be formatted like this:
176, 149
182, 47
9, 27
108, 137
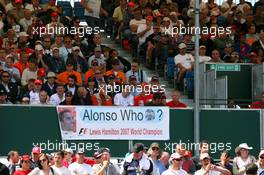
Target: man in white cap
175, 165
202, 55
209, 169
23, 40
184, 62
261, 163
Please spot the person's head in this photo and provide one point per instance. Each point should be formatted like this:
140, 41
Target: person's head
27, 14
82, 92
32, 66
54, 17
68, 97
261, 158
202, 50
98, 75
72, 80
37, 85
138, 13
243, 150
51, 78
97, 52
154, 150
229, 49
69, 66
80, 155
158, 98
39, 49
182, 48
35, 153
95, 64
116, 64
135, 65
126, 90
2, 54
43, 96
47, 41
149, 20
138, 150
23, 37
113, 53
97, 39
132, 80
5, 76
25, 162
58, 157
76, 50
67, 120
215, 55
225, 156
76, 21
59, 40
165, 156
176, 95
104, 154
13, 157
251, 169
60, 89
205, 159
9, 61
3, 96
156, 28
68, 153
175, 160
154, 80
43, 161
67, 41
24, 56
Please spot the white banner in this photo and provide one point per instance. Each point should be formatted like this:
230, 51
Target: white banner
113, 123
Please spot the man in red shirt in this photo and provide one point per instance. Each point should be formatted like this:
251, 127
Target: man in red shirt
25, 166
258, 104
144, 97
175, 103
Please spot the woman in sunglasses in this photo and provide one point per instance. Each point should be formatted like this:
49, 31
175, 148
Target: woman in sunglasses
154, 154
44, 167
261, 163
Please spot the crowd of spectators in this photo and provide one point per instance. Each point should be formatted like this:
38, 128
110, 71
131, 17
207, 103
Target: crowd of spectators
139, 160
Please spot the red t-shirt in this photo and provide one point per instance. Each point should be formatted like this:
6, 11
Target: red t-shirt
171, 104
145, 99
257, 105
86, 160
21, 172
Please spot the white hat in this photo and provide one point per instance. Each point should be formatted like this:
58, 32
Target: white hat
23, 34
166, 19
51, 75
69, 150
204, 155
202, 46
244, 146
261, 152
75, 48
54, 48
182, 45
175, 156
38, 47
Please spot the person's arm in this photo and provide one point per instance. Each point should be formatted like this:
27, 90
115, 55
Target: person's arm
142, 33
86, 6
222, 170
101, 171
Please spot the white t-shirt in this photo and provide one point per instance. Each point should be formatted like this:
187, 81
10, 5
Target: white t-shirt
77, 168
203, 59
174, 172
141, 28
62, 170
211, 172
55, 100
33, 97
137, 22
119, 100
186, 60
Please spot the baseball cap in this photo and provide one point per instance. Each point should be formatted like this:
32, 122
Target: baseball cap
131, 4
51, 75
97, 49
175, 156
166, 19
41, 72
155, 78
25, 157
138, 147
154, 145
39, 82
182, 45
38, 47
54, 14
132, 77
104, 149
75, 48
202, 46
54, 48
229, 45
18, 1
261, 153
68, 150
253, 54
36, 150
150, 18
204, 155
80, 151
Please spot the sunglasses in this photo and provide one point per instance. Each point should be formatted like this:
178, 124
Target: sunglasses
26, 161
177, 159
155, 149
43, 160
261, 157
68, 96
5, 76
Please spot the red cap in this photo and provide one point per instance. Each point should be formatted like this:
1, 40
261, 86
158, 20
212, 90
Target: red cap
41, 72
54, 14
131, 4
18, 1
36, 149
150, 18
25, 157
38, 82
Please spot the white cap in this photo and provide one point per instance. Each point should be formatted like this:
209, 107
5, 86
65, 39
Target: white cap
23, 34
166, 19
39, 47
175, 156
75, 48
261, 153
69, 150
182, 45
204, 155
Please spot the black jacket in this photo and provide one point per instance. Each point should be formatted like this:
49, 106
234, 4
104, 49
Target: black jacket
48, 89
12, 95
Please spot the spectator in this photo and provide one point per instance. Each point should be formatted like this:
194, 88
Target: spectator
203, 148
58, 166
66, 49
159, 99
50, 86
56, 63
13, 159
68, 99
164, 159
30, 72
42, 59
118, 16
188, 164
154, 153
22, 63
105, 166
175, 168
80, 64
34, 94
3, 97
91, 72
227, 52
14, 72
27, 20
68, 153
258, 46
43, 166
260, 163
96, 42
144, 96
10, 87
175, 103
62, 78
216, 57
4, 170
258, 104
144, 30
137, 160
43, 98
124, 98
139, 73
125, 65
208, 167
97, 56
57, 98
116, 71
101, 98
184, 62
225, 161
202, 57
243, 158
79, 167
25, 166
83, 97
71, 85
23, 40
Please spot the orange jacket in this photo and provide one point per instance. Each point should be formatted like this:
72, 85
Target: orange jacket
120, 74
63, 77
90, 73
